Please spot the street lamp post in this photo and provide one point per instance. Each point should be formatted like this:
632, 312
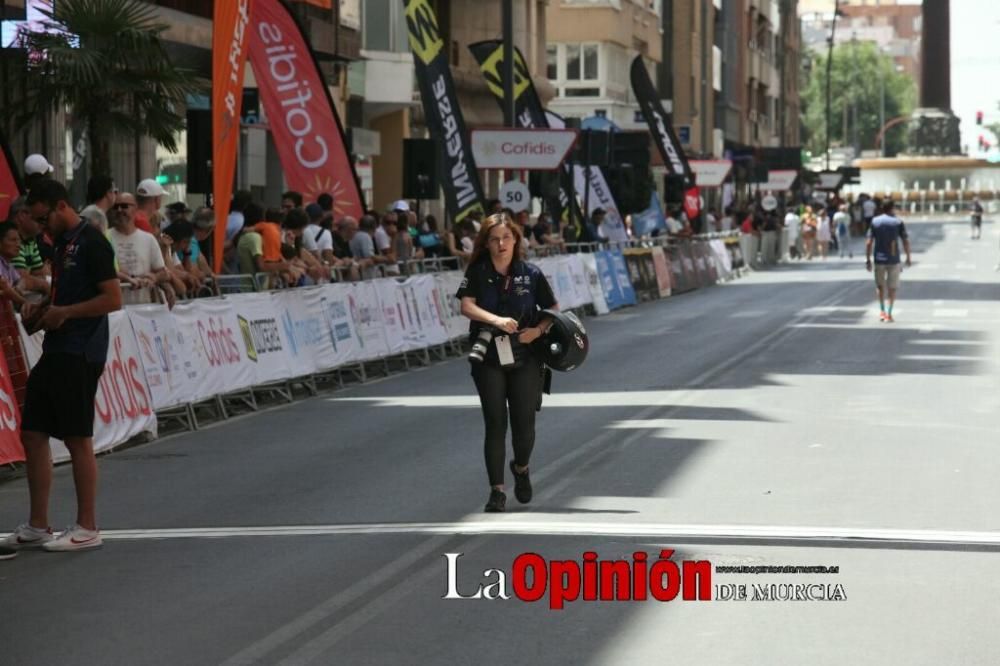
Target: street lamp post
881, 115
829, 70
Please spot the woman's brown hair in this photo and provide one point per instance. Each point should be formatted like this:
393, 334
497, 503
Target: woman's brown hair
490, 223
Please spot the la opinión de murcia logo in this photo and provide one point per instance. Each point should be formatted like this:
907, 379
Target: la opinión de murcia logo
532, 578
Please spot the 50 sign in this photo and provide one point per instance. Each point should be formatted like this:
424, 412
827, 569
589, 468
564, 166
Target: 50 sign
515, 195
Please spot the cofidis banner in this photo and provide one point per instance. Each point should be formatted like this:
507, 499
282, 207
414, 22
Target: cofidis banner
230, 24
300, 112
528, 110
462, 190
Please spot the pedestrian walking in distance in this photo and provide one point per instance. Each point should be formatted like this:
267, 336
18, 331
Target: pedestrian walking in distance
886, 234
503, 296
59, 398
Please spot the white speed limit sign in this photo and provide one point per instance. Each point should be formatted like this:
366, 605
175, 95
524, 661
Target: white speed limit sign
515, 195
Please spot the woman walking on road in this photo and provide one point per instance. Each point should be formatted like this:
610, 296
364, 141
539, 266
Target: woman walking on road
809, 232
823, 233
503, 297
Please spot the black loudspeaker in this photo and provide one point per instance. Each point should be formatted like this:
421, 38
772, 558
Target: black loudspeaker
673, 189
632, 187
420, 169
594, 147
631, 148
544, 184
199, 151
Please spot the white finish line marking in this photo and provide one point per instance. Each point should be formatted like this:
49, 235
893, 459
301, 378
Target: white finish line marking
504, 526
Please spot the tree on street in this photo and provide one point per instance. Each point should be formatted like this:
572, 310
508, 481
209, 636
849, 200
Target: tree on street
104, 60
859, 71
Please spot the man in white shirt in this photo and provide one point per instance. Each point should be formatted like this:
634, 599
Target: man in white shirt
792, 223
315, 238
868, 208
140, 261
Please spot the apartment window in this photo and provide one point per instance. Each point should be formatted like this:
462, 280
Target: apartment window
384, 26
583, 92
582, 62
552, 61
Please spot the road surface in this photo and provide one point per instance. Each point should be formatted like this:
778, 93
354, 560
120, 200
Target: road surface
770, 421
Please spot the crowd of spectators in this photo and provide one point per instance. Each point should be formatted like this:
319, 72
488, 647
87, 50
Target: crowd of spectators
164, 250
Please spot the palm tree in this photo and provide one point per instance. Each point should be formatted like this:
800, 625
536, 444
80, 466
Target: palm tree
104, 60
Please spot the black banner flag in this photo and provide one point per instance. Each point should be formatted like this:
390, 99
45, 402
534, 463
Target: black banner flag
462, 189
660, 123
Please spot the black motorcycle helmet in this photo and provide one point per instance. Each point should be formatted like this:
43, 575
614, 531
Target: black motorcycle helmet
564, 347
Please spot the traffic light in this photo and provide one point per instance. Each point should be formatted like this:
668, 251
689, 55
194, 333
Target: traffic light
979, 117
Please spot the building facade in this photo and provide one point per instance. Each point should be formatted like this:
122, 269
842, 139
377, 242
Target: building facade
590, 47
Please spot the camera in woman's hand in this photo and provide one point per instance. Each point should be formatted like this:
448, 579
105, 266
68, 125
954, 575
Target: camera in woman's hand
481, 345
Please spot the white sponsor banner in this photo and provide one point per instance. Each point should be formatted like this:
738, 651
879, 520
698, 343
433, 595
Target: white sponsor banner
536, 149
722, 257
579, 280
710, 173
396, 322
306, 330
263, 340
335, 303
448, 283
589, 264
430, 309
366, 311
168, 356
217, 346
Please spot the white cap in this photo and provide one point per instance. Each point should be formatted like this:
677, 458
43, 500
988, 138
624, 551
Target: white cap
769, 203
37, 164
401, 205
149, 188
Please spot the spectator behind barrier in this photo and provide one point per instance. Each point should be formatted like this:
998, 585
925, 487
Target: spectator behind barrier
138, 255
290, 200
29, 263
10, 248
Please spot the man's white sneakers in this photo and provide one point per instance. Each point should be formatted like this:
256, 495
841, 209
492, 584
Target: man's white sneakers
74, 538
26, 536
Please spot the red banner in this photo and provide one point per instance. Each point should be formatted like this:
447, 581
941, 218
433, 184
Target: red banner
10, 415
9, 189
692, 203
300, 113
229, 56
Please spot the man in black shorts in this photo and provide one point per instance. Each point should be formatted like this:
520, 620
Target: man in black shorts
59, 400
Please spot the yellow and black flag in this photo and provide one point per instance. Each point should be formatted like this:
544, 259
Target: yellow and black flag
528, 112
460, 180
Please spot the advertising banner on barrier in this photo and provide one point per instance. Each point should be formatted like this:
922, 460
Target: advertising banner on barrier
723, 259
123, 407
679, 281
661, 265
589, 265
430, 309
168, 356
306, 330
218, 346
396, 316
621, 272
262, 339
706, 262
346, 342
579, 277
10, 418
690, 268
448, 283
366, 311
300, 112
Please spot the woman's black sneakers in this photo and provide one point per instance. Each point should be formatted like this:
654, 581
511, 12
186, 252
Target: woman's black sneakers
522, 484
497, 503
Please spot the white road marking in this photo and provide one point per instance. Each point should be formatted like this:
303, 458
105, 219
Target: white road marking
748, 314
517, 525
950, 312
